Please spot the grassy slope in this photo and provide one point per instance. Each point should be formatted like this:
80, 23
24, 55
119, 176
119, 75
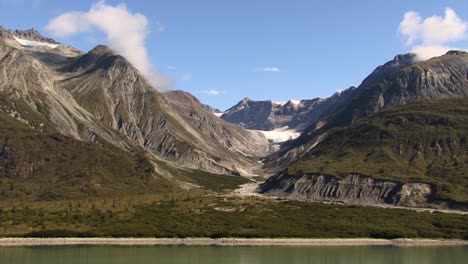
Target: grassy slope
208, 181
54, 167
424, 141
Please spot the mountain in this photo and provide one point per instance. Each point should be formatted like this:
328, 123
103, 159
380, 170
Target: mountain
100, 98
393, 134
226, 139
263, 115
410, 155
381, 143
294, 114
107, 85
440, 77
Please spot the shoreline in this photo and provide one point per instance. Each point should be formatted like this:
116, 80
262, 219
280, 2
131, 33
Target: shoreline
19, 242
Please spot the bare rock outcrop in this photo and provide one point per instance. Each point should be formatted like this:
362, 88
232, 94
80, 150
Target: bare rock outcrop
352, 189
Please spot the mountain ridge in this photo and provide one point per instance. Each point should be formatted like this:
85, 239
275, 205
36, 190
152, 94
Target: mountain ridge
400, 86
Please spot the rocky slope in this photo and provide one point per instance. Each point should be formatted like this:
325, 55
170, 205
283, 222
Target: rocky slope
31, 86
230, 136
100, 97
108, 86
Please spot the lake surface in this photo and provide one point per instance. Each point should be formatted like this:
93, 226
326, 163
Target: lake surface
238, 255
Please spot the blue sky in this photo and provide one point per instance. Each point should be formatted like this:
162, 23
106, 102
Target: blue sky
222, 51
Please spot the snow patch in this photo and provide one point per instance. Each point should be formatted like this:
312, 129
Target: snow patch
218, 114
32, 43
279, 103
295, 102
280, 135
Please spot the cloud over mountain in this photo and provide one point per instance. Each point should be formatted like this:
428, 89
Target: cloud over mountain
125, 31
432, 36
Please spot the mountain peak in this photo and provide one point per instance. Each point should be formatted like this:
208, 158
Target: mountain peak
408, 57
102, 50
34, 35
246, 99
399, 62
5, 33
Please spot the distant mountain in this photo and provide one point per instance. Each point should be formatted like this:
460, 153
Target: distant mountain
262, 115
298, 115
293, 114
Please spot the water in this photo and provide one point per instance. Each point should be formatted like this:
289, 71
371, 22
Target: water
238, 255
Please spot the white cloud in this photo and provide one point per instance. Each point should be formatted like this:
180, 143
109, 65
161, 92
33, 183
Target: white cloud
212, 92
431, 36
187, 77
125, 31
427, 52
268, 69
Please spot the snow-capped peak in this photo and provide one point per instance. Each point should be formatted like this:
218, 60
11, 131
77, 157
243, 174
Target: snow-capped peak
32, 43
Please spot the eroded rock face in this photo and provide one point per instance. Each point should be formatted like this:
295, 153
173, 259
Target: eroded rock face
353, 189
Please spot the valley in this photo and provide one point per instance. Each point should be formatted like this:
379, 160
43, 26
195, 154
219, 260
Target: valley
89, 148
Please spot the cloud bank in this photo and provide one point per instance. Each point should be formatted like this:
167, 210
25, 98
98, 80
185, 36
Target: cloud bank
125, 31
432, 36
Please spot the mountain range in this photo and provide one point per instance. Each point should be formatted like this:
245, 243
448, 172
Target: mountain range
88, 124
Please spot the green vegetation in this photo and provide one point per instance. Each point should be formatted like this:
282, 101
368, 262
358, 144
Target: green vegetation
425, 141
209, 181
195, 214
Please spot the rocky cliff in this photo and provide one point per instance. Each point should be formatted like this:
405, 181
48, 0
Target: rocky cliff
352, 188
